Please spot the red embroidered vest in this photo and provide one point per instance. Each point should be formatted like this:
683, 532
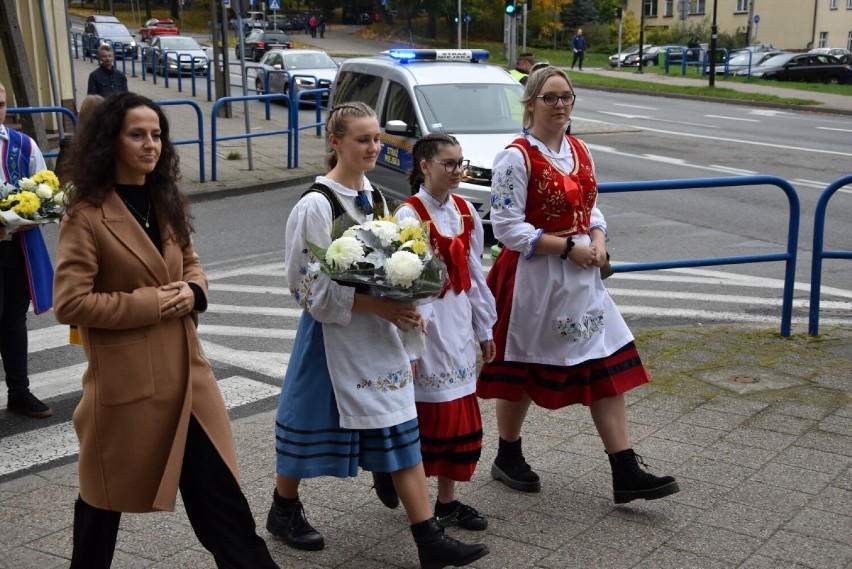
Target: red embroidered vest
559, 202
453, 250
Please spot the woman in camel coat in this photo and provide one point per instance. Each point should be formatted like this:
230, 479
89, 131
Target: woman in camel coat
151, 419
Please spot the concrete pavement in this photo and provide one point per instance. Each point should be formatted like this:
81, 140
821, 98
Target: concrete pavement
757, 428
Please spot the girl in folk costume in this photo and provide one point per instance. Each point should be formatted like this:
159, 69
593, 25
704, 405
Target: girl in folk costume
560, 339
348, 396
458, 321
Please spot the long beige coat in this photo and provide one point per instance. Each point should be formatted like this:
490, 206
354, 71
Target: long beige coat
146, 375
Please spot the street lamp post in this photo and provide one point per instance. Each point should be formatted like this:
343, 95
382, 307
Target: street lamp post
714, 34
641, 35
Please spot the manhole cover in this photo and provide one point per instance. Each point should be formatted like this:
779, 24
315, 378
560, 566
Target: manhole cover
744, 379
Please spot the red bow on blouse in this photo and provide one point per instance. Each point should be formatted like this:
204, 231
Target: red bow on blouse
459, 274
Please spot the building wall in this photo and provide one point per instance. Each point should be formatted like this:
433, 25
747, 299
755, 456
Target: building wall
787, 24
36, 55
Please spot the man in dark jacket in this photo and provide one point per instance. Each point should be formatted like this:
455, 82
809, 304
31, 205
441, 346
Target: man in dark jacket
579, 45
106, 79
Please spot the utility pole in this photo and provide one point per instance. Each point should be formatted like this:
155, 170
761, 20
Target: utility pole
714, 34
458, 27
750, 21
641, 38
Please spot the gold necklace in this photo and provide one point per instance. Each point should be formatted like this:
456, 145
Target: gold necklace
139, 215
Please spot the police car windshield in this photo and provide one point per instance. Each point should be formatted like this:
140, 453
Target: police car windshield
471, 108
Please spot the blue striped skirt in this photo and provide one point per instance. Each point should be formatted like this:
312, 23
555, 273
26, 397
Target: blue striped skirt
309, 441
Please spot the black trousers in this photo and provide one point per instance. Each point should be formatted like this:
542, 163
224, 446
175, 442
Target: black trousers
578, 56
215, 504
14, 303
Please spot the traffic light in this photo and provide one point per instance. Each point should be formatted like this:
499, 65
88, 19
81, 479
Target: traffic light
510, 7
456, 19
618, 13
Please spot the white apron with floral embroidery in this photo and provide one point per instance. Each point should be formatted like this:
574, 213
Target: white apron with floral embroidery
561, 314
369, 369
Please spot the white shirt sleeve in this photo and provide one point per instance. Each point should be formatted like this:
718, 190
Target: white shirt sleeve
509, 201
482, 302
37, 163
326, 300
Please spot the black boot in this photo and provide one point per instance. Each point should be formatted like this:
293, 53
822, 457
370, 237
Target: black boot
512, 469
631, 482
287, 521
383, 483
457, 514
437, 550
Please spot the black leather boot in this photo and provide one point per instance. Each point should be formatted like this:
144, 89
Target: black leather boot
631, 482
437, 550
383, 483
511, 468
287, 521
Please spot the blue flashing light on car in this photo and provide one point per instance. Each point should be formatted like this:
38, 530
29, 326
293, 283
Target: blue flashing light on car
406, 55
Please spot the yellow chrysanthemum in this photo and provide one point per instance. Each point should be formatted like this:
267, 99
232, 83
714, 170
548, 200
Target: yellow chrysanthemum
28, 204
419, 247
410, 233
47, 177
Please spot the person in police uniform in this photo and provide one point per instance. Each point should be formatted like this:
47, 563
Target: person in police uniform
523, 66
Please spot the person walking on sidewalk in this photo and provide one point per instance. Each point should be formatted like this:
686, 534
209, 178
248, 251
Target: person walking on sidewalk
151, 419
106, 79
20, 157
560, 339
459, 324
334, 414
579, 46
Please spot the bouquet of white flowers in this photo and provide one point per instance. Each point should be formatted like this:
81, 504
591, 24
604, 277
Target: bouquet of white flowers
394, 259
34, 201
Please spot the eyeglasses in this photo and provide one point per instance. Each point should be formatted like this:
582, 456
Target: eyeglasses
550, 100
451, 165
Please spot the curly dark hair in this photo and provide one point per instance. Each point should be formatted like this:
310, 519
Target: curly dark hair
92, 165
425, 149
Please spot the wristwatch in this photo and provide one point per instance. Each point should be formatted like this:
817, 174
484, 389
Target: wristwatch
569, 244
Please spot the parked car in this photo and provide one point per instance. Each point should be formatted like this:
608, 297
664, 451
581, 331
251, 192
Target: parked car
101, 29
810, 67
841, 53
176, 54
259, 42
156, 27
313, 69
633, 49
650, 55
417, 92
744, 61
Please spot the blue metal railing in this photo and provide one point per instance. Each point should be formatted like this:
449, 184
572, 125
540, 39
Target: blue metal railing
294, 114
199, 140
819, 253
792, 231
215, 138
30, 110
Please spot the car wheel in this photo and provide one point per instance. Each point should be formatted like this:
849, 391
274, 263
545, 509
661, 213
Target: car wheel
833, 81
237, 53
258, 85
254, 56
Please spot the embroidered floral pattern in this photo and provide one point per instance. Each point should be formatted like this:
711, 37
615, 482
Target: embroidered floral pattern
501, 190
394, 381
302, 294
453, 377
553, 201
584, 328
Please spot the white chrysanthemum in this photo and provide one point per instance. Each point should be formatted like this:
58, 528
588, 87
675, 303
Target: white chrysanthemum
59, 198
403, 268
409, 222
386, 231
43, 191
26, 184
344, 252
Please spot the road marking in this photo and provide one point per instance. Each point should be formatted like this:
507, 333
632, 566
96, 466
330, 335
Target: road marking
635, 107
723, 298
261, 310
699, 316
735, 171
240, 331
270, 364
834, 129
250, 289
769, 113
47, 444
665, 159
47, 338
730, 118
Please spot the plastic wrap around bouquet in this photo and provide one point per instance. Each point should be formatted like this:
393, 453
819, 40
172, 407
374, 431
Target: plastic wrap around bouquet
393, 259
33, 201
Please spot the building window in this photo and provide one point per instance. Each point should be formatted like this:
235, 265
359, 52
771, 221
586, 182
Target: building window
849, 4
649, 8
832, 5
669, 8
823, 39
742, 6
697, 6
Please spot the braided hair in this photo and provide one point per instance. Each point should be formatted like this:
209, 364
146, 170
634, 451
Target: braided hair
337, 123
425, 149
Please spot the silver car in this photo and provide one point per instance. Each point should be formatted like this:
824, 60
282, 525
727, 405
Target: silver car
177, 54
311, 69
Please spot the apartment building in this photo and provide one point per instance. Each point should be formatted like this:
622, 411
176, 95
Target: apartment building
787, 24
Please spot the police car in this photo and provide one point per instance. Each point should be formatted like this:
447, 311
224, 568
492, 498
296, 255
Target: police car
422, 91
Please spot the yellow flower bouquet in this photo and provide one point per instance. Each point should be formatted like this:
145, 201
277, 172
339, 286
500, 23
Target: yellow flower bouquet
33, 201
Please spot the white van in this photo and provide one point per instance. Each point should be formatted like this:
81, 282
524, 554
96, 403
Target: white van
420, 91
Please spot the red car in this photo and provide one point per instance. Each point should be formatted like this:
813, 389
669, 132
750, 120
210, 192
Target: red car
156, 27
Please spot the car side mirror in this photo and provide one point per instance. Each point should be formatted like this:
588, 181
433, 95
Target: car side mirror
397, 127
277, 66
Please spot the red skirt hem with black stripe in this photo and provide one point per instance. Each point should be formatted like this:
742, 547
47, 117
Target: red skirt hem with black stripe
450, 437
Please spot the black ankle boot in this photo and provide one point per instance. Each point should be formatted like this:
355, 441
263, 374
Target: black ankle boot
383, 483
437, 550
512, 469
631, 482
287, 521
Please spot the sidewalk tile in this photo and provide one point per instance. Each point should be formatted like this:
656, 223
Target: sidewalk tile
747, 520
714, 471
690, 434
715, 543
781, 423
576, 556
828, 442
825, 525
761, 495
810, 551
760, 438
667, 557
813, 459
762, 562
665, 513
837, 424
793, 478
737, 405
735, 453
